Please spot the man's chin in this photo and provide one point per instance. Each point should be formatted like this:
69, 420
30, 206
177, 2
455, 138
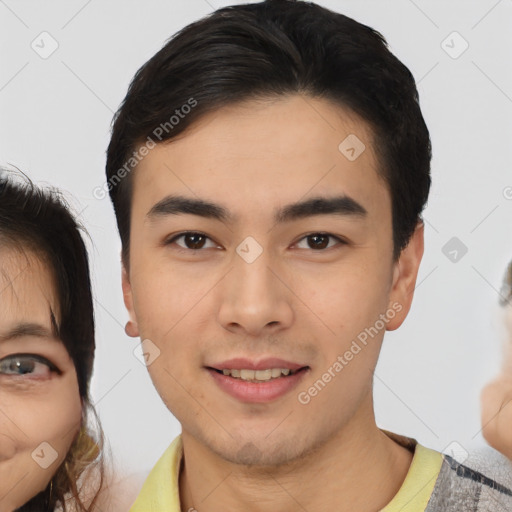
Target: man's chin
250, 455
259, 450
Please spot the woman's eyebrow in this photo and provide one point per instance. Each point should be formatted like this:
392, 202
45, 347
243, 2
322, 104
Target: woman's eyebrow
24, 329
178, 205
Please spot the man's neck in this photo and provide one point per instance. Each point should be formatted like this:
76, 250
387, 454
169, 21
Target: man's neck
358, 469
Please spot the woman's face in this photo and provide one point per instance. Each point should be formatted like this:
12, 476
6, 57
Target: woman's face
40, 405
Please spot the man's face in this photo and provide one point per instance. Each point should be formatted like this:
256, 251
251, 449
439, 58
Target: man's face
301, 288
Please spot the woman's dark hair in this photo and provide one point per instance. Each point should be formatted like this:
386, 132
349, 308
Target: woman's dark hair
38, 221
269, 49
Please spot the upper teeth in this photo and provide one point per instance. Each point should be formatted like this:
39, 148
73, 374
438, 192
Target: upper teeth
271, 373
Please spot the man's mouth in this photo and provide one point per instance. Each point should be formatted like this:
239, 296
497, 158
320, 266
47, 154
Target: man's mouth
259, 375
257, 381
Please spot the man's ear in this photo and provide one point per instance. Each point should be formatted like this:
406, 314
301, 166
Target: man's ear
405, 272
132, 328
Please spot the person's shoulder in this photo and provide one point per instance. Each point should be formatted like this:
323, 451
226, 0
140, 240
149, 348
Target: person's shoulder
107, 491
160, 490
492, 463
482, 482
120, 493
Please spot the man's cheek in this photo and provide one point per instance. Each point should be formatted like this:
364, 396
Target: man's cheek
175, 386
173, 365
155, 315
166, 380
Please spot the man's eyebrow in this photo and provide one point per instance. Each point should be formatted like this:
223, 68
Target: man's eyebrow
339, 205
26, 329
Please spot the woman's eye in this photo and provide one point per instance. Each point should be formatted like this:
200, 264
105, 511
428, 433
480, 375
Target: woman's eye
191, 240
27, 365
319, 241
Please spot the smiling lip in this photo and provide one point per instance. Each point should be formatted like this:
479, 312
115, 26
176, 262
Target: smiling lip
240, 363
257, 392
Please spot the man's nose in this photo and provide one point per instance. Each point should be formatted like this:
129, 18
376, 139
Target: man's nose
255, 298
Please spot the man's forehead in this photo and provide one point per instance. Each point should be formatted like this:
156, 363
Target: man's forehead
285, 126
214, 165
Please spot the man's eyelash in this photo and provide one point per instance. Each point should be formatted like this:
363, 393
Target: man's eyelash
173, 239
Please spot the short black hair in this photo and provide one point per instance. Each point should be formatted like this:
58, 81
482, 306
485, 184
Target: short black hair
265, 50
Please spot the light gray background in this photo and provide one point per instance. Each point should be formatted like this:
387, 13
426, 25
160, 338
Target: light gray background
55, 118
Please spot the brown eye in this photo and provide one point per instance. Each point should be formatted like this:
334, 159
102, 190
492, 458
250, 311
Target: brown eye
191, 240
194, 241
319, 241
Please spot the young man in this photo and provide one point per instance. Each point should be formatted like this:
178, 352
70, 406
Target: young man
268, 170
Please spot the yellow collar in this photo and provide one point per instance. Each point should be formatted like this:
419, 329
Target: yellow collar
160, 492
